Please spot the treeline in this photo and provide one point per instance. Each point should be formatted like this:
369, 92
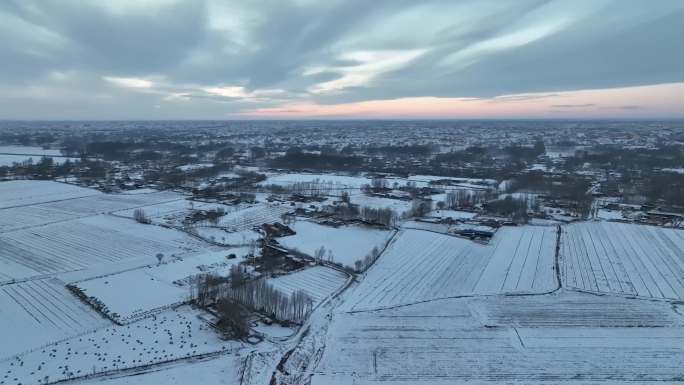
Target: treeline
379, 216
415, 150
661, 189
367, 261
296, 159
261, 296
514, 208
463, 198
572, 190
47, 168
506, 159
617, 158
254, 294
383, 216
313, 188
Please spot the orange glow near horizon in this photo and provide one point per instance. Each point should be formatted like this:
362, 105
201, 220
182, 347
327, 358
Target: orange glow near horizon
664, 100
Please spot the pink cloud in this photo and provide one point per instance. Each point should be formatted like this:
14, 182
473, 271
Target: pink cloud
664, 100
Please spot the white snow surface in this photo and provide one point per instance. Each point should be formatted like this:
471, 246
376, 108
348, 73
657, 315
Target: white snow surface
567, 338
399, 206
141, 292
172, 335
317, 282
37, 312
30, 192
348, 244
82, 243
626, 259
422, 265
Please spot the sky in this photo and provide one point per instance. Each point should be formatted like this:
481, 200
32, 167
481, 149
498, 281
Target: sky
311, 59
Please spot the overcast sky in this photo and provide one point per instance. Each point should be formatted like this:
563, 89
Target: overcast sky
136, 59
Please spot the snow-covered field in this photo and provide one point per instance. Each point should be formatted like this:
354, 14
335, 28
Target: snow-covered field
110, 203
399, 206
10, 160
37, 312
567, 338
82, 243
336, 181
32, 203
19, 154
347, 244
30, 192
318, 282
23, 217
627, 259
224, 369
433, 309
53, 233
234, 228
30, 150
224, 237
174, 212
172, 335
139, 293
422, 265
247, 218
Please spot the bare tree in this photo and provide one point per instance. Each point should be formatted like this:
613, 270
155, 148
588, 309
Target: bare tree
319, 254
140, 216
232, 318
237, 276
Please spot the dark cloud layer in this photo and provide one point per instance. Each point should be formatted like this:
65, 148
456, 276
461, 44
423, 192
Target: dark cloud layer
216, 58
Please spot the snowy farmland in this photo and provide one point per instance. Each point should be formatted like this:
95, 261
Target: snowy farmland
222, 369
625, 259
568, 338
41, 311
345, 244
170, 336
249, 217
317, 282
421, 265
86, 242
434, 308
49, 202
175, 211
30, 192
110, 203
